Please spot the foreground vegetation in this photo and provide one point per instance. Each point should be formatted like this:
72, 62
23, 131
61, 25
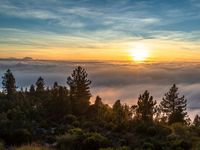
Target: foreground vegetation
60, 117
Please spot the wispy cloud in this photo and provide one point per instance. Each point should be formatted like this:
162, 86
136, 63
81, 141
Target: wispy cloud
96, 25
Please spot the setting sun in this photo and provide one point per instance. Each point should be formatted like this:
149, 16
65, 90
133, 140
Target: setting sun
139, 52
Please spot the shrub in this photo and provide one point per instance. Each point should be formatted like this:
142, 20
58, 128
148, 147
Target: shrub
108, 148
31, 147
71, 140
148, 146
2, 146
151, 131
119, 148
21, 136
180, 129
76, 124
70, 118
94, 141
66, 142
76, 131
183, 144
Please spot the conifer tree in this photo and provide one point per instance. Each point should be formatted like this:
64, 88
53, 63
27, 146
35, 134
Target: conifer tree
118, 112
98, 105
145, 108
173, 106
32, 89
121, 112
79, 90
40, 84
9, 85
196, 121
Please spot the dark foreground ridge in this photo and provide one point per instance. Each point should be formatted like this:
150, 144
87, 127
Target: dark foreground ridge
60, 117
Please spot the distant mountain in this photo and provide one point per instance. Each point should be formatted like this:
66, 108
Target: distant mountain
27, 58
14, 59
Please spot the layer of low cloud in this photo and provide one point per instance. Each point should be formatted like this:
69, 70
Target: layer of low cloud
115, 80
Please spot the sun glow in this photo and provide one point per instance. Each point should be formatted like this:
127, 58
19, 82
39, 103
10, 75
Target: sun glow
139, 53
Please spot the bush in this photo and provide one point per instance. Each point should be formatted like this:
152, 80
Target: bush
180, 129
76, 124
94, 141
123, 148
151, 131
31, 147
76, 131
119, 148
66, 142
71, 140
2, 146
183, 144
108, 148
111, 126
148, 146
70, 118
21, 136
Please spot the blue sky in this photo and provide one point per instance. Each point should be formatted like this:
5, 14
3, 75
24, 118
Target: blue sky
33, 25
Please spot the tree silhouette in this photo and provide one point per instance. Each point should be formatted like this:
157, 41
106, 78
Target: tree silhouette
174, 106
79, 90
40, 84
8, 83
196, 121
32, 89
145, 108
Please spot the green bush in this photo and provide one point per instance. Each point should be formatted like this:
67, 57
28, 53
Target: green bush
94, 141
71, 140
183, 144
31, 147
108, 148
76, 124
66, 142
148, 146
119, 148
151, 131
21, 136
2, 146
180, 129
76, 131
70, 118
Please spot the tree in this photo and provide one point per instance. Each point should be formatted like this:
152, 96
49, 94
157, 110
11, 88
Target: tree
32, 89
145, 108
173, 106
122, 113
8, 83
79, 90
118, 110
59, 105
196, 121
40, 84
98, 107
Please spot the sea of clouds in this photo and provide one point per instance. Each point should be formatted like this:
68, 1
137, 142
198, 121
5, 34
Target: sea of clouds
115, 80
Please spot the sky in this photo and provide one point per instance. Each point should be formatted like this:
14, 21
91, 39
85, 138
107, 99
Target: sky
126, 46
100, 29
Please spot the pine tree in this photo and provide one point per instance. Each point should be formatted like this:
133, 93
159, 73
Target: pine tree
196, 121
145, 108
32, 89
9, 87
118, 112
173, 106
79, 90
40, 84
122, 113
98, 106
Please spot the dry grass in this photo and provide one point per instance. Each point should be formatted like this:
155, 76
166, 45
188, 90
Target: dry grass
31, 147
